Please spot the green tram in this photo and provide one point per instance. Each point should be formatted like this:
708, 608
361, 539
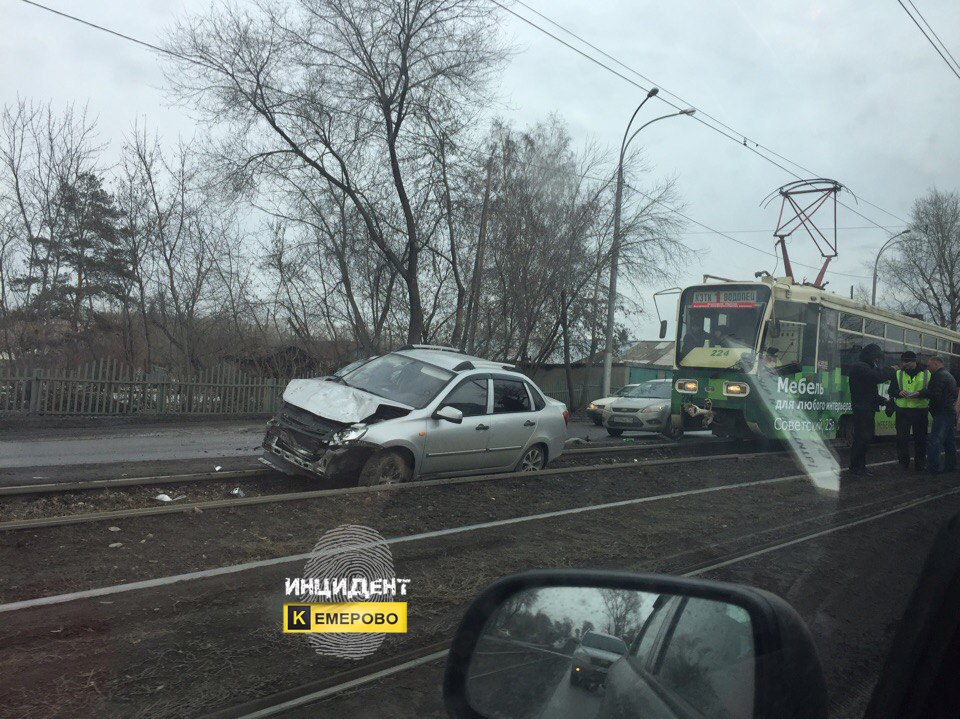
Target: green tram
769, 358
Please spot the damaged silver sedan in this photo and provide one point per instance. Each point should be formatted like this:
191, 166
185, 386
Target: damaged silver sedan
419, 412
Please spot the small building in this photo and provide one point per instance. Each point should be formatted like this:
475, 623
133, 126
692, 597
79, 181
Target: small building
648, 359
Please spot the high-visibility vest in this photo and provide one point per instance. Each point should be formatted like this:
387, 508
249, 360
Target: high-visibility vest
913, 384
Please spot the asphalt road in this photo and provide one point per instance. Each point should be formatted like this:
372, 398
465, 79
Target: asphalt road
221, 439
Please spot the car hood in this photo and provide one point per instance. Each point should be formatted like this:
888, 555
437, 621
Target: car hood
639, 402
605, 400
334, 400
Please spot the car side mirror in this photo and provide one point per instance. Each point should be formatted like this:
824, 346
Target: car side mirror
732, 651
451, 414
663, 329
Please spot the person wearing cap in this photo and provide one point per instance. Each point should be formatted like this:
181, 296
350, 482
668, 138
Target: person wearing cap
942, 394
864, 376
911, 410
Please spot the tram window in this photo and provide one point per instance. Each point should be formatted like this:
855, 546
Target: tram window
913, 338
828, 352
895, 333
873, 327
850, 346
793, 332
929, 342
943, 345
853, 323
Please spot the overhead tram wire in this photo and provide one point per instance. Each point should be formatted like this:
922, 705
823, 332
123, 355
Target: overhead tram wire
737, 137
934, 33
929, 39
476, 153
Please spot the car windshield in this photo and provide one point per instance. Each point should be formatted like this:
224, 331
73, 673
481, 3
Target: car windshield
604, 642
651, 390
401, 379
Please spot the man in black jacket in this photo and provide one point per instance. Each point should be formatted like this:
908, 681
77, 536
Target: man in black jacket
864, 376
942, 393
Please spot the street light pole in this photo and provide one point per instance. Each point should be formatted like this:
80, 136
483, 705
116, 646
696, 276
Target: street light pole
615, 244
876, 264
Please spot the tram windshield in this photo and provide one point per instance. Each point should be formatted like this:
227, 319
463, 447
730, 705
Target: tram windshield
718, 325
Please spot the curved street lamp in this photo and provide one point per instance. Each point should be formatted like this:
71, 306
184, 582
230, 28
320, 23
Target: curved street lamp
876, 263
615, 246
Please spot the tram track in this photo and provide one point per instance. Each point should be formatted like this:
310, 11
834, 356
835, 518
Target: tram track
577, 455
294, 496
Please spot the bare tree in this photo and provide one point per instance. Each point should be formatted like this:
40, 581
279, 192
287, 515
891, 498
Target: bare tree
340, 93
924, 272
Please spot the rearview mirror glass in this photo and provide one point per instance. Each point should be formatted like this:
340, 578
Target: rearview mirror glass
663, 329
609, 652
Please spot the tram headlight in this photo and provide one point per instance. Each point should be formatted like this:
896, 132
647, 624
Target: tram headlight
687, 386
736, 389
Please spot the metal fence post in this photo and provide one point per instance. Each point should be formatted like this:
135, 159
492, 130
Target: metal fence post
35, 392
161, 397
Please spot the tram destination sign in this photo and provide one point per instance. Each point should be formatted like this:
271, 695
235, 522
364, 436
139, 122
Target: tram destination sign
725, 299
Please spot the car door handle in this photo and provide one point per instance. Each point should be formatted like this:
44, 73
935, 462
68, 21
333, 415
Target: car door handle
482, 426
529, 423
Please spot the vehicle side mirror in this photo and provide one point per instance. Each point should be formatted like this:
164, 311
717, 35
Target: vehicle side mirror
451, 414
733, 650
663, 329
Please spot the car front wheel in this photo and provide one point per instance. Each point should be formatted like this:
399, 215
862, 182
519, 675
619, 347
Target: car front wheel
385, 467
533, 460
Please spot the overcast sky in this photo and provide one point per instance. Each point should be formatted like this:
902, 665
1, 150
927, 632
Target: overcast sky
850, 90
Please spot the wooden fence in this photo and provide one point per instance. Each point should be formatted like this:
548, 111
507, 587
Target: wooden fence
106, 387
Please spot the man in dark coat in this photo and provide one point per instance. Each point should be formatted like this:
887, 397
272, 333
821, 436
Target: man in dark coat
942, 393
864, 376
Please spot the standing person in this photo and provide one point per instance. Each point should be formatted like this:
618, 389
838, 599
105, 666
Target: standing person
911, 410
864, 376
942, 393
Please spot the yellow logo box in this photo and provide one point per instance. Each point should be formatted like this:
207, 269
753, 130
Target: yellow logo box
345, 618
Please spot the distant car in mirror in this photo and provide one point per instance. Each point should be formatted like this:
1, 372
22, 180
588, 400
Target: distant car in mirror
593, 656
648, 646
644, 407
595, 409
421, 411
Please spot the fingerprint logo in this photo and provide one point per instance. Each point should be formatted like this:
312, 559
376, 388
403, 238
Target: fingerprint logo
350, 551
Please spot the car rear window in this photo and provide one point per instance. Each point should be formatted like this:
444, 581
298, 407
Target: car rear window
510, 396
605, 643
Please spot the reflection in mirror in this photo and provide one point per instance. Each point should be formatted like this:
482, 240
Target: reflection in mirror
558, 652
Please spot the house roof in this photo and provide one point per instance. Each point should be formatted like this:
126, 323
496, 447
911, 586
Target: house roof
653, 353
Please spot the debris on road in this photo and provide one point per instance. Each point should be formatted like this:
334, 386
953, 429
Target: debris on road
113, 529
217, 468
237, 492
167, 498
115, 545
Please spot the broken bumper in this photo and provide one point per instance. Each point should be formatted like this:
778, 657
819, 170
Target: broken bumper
283, 452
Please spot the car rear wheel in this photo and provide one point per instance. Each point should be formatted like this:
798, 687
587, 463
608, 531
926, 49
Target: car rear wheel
386, 467
614, 432
533, 460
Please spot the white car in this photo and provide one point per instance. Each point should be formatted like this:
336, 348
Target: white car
595, 408
418, 412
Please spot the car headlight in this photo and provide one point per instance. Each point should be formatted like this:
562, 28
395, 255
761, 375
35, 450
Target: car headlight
687, 386
592, 405
349, 434
657, 408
